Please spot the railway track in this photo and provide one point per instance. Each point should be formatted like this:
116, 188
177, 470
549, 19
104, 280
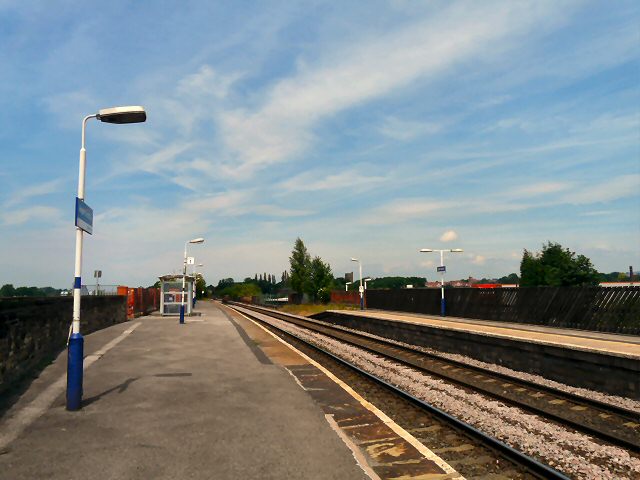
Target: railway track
513, 463
609, 423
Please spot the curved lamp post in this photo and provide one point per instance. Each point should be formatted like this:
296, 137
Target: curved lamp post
184, 274
442, 269
84, 222
361, 288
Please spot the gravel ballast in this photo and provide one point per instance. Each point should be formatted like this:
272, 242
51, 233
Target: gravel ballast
574, 453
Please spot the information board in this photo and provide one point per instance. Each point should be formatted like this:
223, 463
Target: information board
84, 216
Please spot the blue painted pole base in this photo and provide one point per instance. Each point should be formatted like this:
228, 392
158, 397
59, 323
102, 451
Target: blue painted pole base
442, 307
181, 314
361, 303
75, 357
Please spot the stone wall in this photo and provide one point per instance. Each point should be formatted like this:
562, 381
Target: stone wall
609, 373
34, 330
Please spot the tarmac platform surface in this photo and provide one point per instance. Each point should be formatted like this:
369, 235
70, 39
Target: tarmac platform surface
163, 400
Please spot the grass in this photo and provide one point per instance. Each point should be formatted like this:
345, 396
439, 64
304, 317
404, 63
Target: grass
310, 308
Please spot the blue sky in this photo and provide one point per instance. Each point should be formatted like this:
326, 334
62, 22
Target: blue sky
369, 129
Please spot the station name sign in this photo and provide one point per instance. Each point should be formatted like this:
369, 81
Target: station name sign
442, 269
84, 216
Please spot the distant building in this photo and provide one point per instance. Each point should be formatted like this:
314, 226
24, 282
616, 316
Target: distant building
620, 284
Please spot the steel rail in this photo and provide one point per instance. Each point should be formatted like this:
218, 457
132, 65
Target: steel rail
532, 465
599, 433
599, 404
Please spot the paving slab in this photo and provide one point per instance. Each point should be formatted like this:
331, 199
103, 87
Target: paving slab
192, 401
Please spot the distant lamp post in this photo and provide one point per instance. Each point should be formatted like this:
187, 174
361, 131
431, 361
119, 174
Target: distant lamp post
84, 223
184, 275
360, 288
365, 280
442, 269
346, 286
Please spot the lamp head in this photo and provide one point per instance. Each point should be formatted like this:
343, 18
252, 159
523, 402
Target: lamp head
132, 114
457, 250
197, 240
426, 250
354, 260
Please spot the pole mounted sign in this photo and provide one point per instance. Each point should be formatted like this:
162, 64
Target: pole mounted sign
442, 269
84, 216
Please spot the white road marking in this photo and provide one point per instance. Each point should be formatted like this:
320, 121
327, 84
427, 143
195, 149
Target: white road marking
425, 451
18, 421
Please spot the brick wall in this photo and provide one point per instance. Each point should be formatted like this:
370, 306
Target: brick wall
350, 298
34, 330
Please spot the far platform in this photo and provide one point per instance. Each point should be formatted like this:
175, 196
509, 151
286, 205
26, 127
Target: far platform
608, 363
610, 343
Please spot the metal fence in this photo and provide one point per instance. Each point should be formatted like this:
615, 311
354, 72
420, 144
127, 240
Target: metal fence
613, 309
99, 290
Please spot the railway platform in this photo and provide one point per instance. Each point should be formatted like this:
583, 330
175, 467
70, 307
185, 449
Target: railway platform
609, 363
215, 398
608, 343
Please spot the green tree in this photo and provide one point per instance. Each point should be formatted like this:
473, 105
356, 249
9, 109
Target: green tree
556, 266
7, 290
511, 278
224, 283
201, 286
300, 262
391, 282
27, 292
238, 291
320, 279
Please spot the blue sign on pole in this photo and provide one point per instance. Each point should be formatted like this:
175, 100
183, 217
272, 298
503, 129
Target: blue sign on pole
84, 216
442, 269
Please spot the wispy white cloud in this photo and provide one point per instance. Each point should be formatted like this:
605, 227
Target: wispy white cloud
609, 190
404, 130
597, 213
40, 213
478, 260
204, 83
25, 193
352, 178
555, 194
449, 236
281, 127
240, 202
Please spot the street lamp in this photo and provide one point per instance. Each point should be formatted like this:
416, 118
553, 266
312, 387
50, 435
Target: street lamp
361, 288
184, 274
442, 269
346, 286
365, 280
84, 223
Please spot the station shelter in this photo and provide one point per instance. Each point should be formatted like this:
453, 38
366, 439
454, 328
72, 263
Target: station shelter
171, 294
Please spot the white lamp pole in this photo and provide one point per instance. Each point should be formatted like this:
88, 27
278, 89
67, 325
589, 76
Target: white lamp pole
346, 286
361, 288
442, 270
184, 275
75, 352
